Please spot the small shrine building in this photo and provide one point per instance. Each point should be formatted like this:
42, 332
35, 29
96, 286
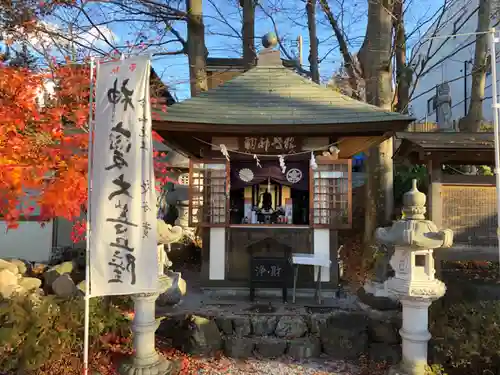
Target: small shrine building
270, 167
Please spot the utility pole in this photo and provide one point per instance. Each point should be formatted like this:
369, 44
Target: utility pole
72, 48
299, 47
493, 41
466, 66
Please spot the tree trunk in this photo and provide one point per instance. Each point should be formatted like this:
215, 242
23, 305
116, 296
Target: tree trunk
375, 54
313, 40
196, 47
379, 190
248, 33
472, 121
375, 62
403, 72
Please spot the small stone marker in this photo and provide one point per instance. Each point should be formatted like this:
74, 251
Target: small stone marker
64, 286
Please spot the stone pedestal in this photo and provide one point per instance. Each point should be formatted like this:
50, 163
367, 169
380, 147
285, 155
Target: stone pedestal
414, 283
415, 336
146, 360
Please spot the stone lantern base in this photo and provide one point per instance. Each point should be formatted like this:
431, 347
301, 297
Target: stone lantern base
402, 369
154, 366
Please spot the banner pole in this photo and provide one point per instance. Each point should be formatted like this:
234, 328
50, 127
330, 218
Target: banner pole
87, 253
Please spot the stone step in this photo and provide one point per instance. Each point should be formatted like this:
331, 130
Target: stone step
339, 335
271, 347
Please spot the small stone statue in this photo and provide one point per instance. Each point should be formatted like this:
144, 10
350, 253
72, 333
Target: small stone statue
175, 285
167, 235
267, 201
443, 107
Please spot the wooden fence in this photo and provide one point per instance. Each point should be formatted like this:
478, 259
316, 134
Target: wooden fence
470, 211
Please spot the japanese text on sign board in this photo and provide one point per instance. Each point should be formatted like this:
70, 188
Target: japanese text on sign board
120, 143
268, 270
122, 200
280, 145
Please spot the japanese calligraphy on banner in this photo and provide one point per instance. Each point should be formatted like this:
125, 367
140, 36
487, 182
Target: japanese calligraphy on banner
271, 145
122, 203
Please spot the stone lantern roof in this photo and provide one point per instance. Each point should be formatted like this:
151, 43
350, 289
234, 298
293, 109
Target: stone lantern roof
413, 230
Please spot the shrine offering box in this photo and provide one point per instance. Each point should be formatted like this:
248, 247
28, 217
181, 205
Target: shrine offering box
269, 272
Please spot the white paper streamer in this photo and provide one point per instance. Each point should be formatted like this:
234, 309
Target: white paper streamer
257, 160
334, 150
313, 161
282, 163
224, 151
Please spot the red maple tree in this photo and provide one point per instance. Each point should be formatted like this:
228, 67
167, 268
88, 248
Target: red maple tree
44, 148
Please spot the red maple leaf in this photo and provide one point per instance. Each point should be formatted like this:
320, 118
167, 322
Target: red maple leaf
44, 149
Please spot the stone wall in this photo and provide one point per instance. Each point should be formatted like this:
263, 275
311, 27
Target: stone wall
340, 335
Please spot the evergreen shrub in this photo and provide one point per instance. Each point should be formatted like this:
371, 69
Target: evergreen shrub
33, 335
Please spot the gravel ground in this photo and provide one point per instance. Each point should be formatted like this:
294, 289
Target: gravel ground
282, 366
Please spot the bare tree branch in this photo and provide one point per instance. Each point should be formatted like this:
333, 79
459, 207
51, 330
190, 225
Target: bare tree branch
350, 66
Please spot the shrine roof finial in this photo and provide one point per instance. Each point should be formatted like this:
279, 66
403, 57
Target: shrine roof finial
268, 56
270, 40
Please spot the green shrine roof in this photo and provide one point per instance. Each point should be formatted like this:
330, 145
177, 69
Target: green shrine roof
271, 94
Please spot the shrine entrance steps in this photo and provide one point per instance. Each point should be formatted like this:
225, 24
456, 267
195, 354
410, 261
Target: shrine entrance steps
342, 330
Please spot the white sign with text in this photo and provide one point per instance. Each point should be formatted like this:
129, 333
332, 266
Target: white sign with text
123, 234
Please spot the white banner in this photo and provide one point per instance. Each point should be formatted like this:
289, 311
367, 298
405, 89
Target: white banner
123, 256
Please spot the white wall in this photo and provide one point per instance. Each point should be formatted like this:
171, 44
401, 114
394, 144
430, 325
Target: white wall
448, 56
33, 243
63, 230
29, 241
321, 243
217, 249
45, 92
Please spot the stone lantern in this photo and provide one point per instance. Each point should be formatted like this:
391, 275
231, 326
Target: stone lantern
414, 239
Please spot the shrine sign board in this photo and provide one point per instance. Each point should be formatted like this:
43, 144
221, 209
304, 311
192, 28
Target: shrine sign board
270, 145
269, 272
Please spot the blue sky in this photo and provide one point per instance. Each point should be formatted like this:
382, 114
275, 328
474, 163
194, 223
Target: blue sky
223, 24
291, 22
